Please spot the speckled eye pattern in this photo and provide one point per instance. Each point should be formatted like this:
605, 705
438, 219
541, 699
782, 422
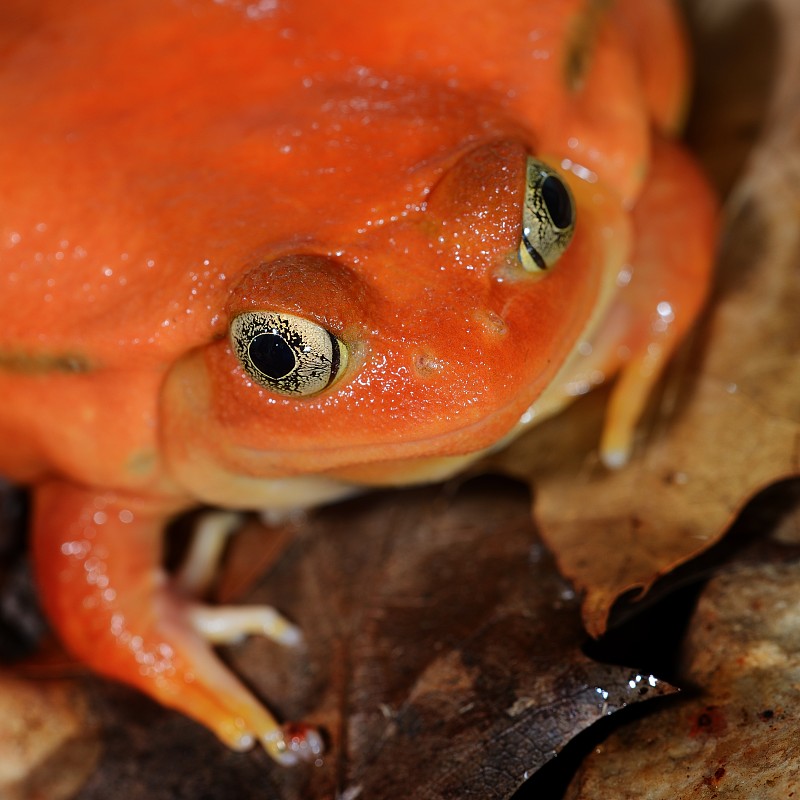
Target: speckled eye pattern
548, 218
287, 354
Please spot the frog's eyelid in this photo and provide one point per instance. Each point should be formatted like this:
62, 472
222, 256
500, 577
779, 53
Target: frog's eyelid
287, 354
548, 218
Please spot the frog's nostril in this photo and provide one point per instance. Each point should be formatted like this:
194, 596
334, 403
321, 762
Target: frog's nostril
492, 323
427, 366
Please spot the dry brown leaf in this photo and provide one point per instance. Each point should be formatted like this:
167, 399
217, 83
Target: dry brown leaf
443, 661
728, 422
738, 739
48, 741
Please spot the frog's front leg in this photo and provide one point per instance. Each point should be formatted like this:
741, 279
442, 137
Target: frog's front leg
98, 564
675, 226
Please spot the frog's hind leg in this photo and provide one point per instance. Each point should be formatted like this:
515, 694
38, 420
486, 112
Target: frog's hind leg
98, 564
675, 223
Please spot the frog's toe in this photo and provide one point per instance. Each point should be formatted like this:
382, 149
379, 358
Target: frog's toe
297, 743
230, 624
287, 745
199, 568
631, 391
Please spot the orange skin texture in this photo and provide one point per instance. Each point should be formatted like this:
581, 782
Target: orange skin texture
165, 165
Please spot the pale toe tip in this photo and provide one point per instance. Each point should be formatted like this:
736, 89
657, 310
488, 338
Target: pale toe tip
615, 458
298, 742
290, 636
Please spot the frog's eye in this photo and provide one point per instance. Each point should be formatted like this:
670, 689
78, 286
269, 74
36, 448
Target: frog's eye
287, 354
548, 218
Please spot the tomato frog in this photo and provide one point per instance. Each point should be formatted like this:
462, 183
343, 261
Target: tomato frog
262, 254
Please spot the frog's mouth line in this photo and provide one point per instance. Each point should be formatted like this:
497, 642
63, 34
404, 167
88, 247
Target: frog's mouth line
242, 477
465, 443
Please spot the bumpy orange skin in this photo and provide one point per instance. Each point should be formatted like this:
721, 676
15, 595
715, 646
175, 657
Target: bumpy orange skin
165, 165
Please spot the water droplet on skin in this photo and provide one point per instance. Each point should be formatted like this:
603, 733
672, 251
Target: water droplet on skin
664, 310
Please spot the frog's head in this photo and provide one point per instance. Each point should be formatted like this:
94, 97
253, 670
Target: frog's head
425, 335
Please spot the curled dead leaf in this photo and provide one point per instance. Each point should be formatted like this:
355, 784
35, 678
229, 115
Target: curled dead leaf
728, 421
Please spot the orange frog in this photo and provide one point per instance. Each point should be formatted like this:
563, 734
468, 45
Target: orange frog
260, 255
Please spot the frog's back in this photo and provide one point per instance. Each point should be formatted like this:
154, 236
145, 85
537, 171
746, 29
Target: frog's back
146, 148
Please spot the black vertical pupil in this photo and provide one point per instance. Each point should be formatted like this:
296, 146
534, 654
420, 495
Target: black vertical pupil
271, 355
557, 200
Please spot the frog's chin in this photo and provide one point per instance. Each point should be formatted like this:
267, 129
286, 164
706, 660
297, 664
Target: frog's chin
233, 476
218, 486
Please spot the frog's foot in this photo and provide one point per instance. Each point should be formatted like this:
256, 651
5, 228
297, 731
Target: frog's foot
214, 696
97, 560
225, 624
